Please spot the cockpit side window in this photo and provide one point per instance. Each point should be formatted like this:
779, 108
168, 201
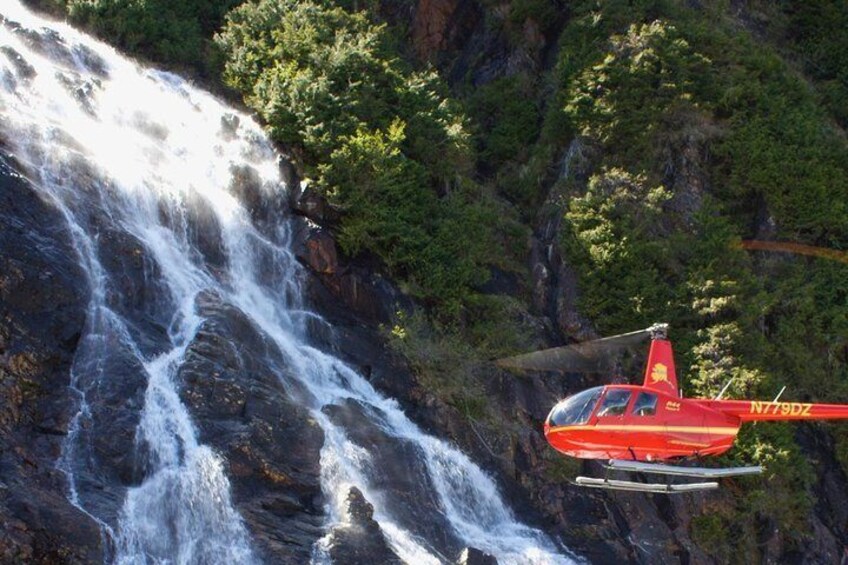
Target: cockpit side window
645, 405
576, 409
615, 402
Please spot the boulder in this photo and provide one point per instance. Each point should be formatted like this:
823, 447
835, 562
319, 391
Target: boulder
472, 556
398, 470
359, 539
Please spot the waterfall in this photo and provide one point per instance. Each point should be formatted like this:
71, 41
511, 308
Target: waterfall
138, 155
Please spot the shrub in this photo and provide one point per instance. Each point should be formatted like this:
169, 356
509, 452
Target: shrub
383, 143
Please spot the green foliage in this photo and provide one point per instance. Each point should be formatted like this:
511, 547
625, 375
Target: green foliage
317, 73
445, 363
711, 533
816, 32
783, 152
162, 30
840, 434
647, 84
613, 234
508, 120
648, 72
717, 361
385, 143
314, 72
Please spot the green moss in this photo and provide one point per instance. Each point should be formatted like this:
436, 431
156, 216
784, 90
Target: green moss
561, 469
840, 434
711, 533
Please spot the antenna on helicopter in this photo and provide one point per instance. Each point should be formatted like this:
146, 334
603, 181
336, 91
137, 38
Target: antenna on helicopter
723, 390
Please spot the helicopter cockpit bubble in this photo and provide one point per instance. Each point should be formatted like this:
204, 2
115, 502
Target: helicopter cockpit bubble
575, 410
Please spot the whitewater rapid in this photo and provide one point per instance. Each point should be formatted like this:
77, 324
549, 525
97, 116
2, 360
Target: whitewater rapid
152, 149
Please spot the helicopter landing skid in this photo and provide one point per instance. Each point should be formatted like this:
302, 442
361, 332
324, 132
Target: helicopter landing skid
676, 471
612, 484
662, 469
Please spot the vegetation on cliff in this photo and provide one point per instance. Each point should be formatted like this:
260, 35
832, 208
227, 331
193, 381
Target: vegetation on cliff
702, 126
384, 143
666, 92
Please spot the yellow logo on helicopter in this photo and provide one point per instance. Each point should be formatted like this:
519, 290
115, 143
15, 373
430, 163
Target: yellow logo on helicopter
672, 406
659, 374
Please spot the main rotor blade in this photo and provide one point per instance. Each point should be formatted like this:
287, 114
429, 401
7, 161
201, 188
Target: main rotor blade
585, 357
798, 248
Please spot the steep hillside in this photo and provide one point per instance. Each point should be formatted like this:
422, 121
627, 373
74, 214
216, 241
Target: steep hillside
532, 172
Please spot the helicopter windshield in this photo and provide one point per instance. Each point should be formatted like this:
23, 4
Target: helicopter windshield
575, 410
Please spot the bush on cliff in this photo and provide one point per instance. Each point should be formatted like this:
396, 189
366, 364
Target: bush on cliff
653, 82
162, 30
382, 142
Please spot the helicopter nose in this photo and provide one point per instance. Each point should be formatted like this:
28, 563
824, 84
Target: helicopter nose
559, 437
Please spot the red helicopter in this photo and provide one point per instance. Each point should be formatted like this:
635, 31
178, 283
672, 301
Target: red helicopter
636, 428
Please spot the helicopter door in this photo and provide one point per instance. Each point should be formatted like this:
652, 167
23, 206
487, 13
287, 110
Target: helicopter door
615, 403
611, 423
643, 415
645, 405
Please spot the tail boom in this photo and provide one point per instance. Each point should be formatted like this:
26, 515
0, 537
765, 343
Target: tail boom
765, 410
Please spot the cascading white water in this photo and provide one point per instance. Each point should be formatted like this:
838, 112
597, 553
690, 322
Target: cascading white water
151, 148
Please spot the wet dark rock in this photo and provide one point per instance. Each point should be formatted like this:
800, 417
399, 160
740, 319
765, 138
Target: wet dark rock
397, 469
555, 285
434, 22
501, 282
24, 69
290, 176
473, 42
204, 231
345, 288
136, 292
320, 252
81, 89
113, 381
359, 539
686, 155
555, 290
569, 320
46, 41
512, 448
265, 204
306, 201
42, 311
151, 126
258, 423
229, 126
90, 61
472, 556
830, 492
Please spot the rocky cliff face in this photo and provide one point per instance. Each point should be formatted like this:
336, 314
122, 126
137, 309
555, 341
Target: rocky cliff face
42, 307
188, 401
458, 37
269, 441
